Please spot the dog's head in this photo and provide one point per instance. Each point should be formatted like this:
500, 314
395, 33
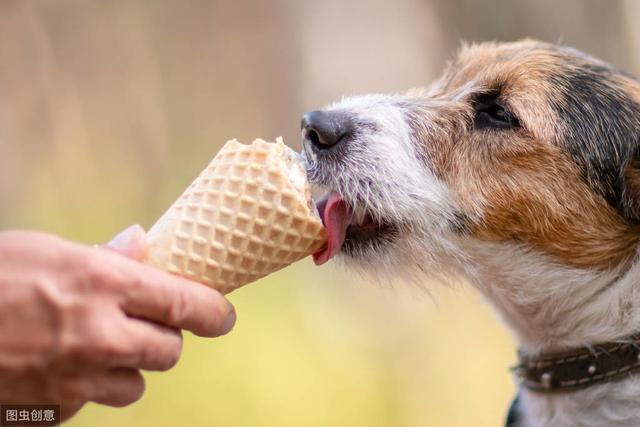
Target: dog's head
524, 144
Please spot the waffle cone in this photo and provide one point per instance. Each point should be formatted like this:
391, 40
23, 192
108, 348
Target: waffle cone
248, 214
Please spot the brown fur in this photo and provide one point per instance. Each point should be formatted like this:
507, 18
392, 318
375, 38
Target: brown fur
523, 181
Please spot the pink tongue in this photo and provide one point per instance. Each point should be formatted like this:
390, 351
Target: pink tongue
335, 216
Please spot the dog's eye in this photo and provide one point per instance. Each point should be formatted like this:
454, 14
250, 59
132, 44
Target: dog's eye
490, 113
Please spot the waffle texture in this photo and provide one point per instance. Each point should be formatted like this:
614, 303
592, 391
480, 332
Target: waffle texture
248, 214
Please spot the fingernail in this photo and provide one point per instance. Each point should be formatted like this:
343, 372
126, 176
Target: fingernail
125, 238
229, 321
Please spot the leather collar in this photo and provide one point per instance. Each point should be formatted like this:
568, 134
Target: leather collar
579, 368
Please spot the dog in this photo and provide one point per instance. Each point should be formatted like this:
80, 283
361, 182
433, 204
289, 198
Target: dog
518, 169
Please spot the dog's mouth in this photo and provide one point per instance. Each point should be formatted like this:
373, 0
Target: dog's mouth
346, 230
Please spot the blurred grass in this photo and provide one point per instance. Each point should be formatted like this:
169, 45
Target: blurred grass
109, 109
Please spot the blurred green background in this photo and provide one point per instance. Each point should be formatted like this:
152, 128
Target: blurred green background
108, 109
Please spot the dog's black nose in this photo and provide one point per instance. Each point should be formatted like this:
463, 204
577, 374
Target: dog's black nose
324, 129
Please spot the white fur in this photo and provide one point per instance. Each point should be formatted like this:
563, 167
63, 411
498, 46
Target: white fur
549, 306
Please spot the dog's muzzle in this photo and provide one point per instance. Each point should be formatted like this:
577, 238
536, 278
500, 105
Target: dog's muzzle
360, 152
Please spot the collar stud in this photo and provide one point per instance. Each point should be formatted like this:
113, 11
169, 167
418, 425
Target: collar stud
545, 379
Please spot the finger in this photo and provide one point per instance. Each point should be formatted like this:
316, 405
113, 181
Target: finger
118, 387
131, 242
152, 294
153, 347
182, 304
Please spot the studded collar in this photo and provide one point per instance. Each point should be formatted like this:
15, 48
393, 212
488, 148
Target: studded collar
579, 368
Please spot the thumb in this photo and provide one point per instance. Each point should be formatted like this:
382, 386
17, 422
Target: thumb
130, 242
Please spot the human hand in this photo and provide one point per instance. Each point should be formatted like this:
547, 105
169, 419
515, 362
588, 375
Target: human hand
77, 324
